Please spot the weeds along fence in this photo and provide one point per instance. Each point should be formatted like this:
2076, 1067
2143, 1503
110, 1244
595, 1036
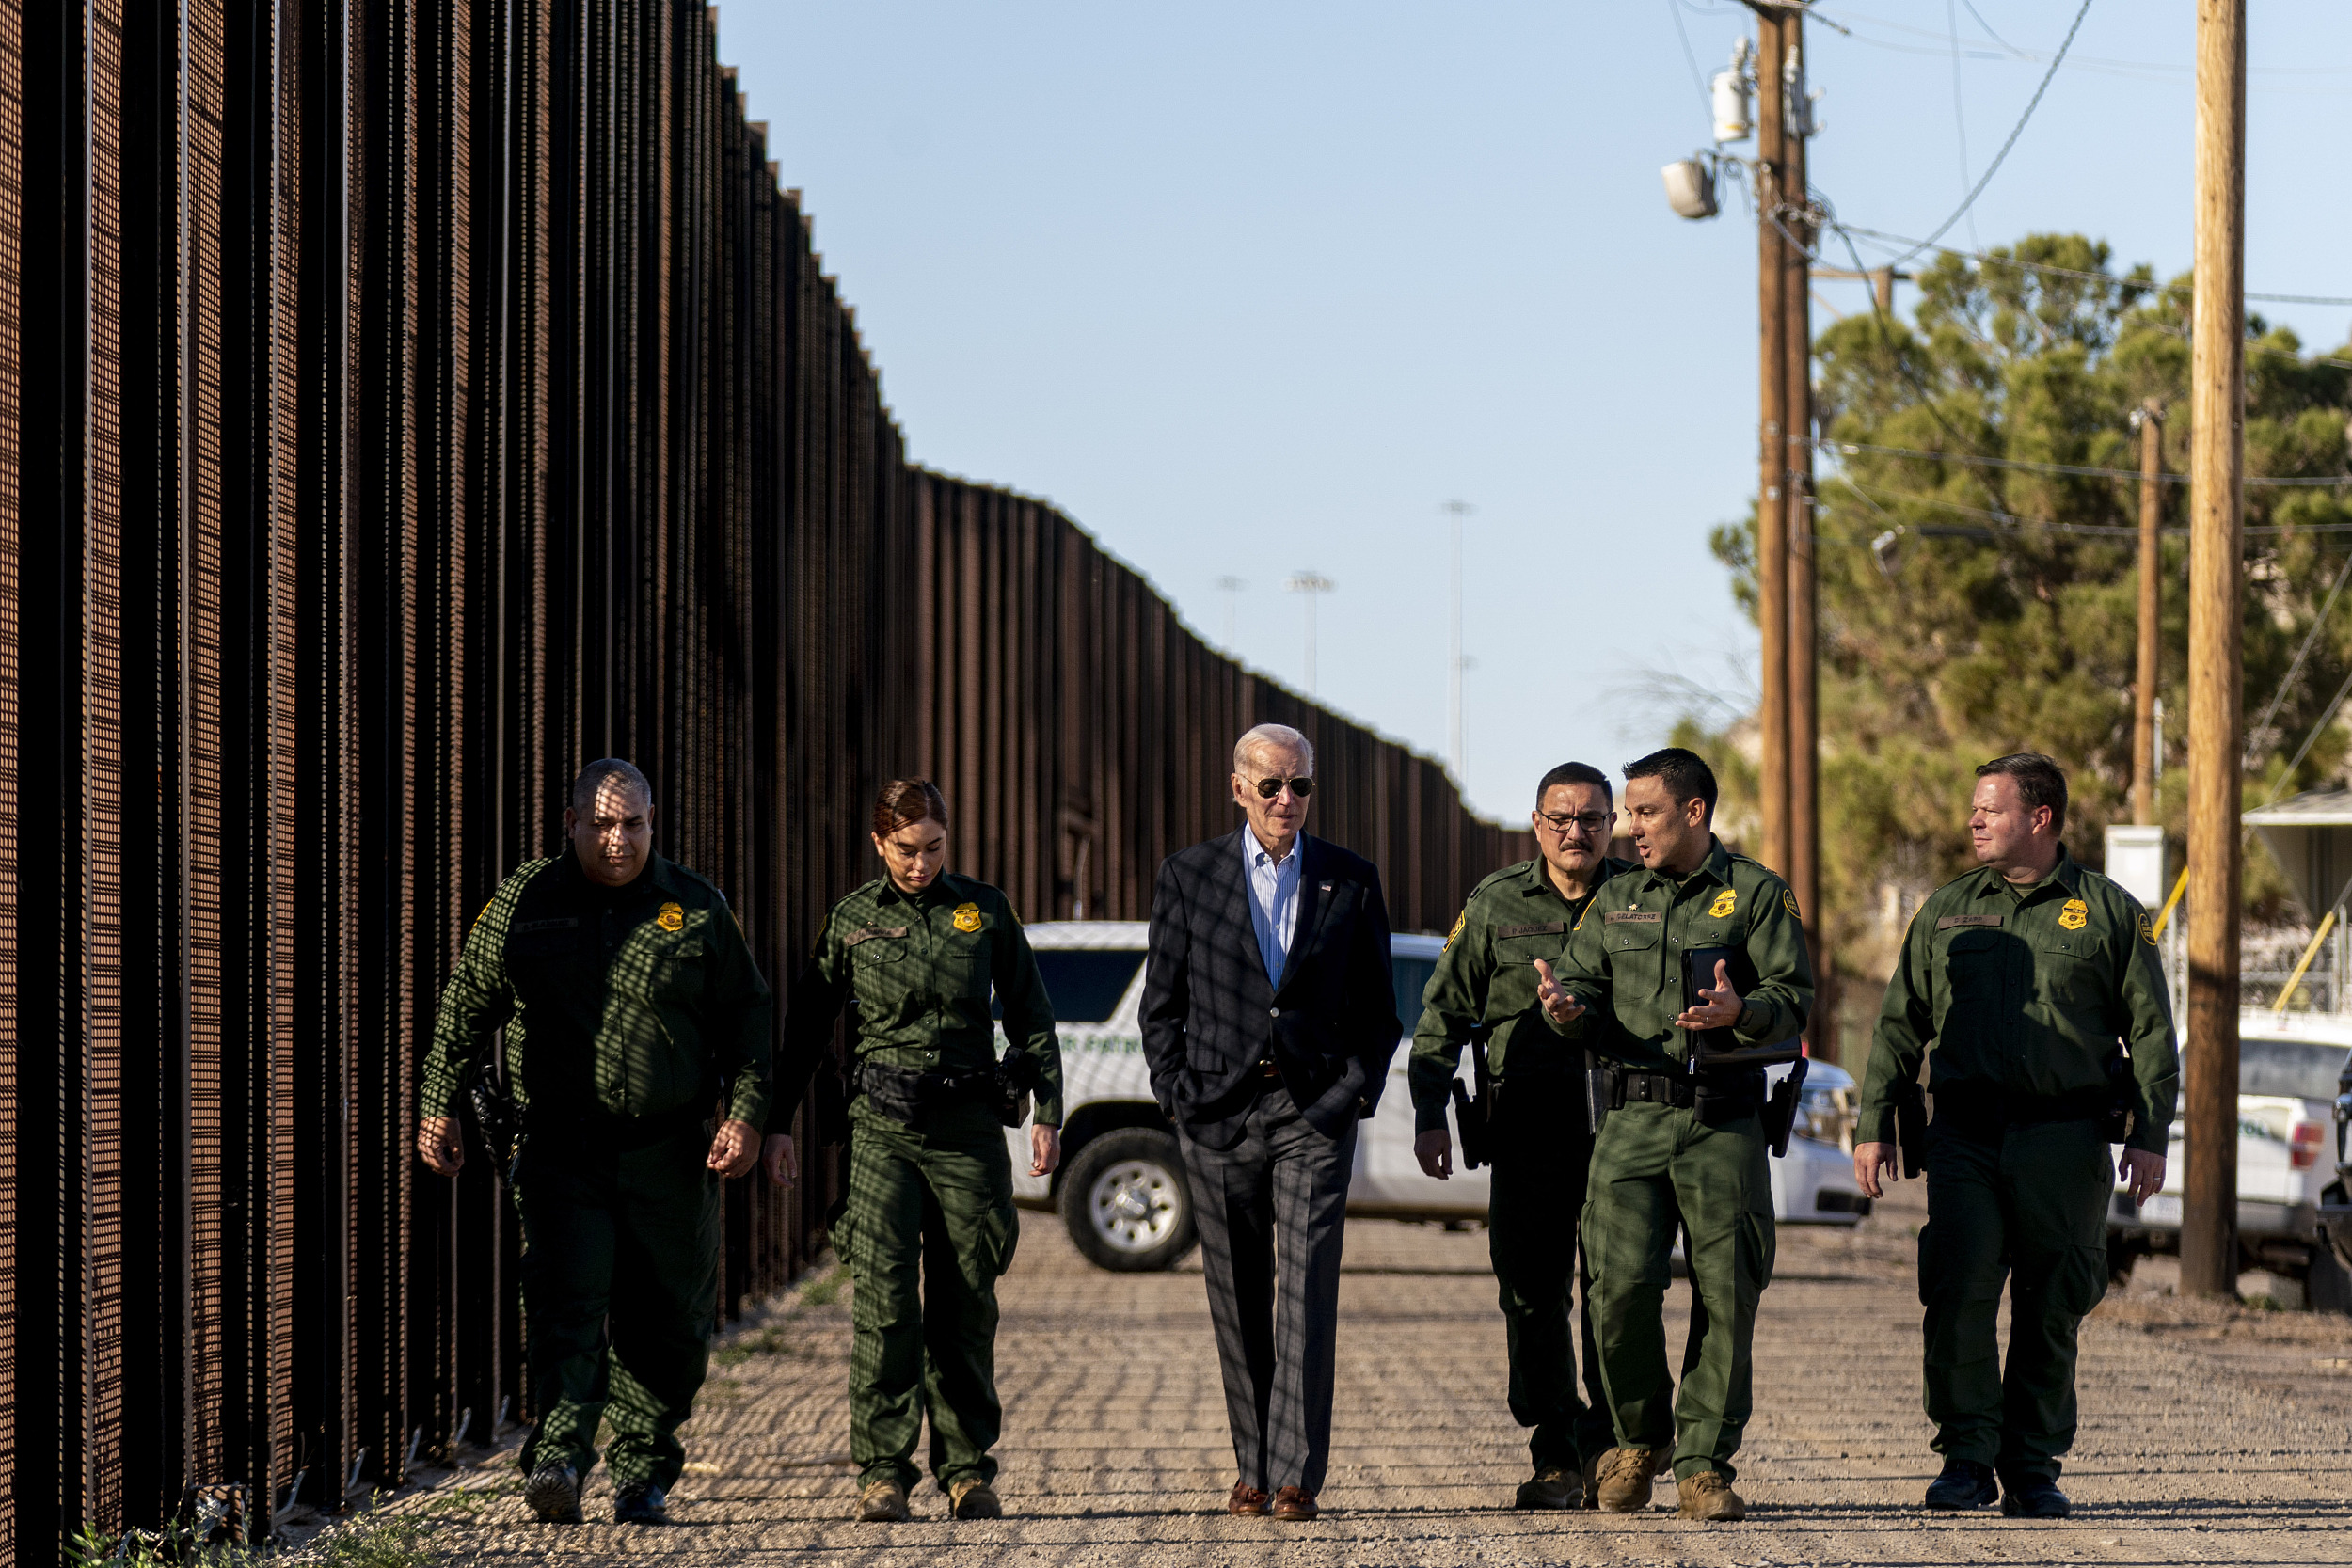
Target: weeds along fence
400, 402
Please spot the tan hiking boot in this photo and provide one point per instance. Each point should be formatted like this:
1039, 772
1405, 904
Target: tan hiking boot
973, 1498
1709, 1495
882, 1503
1625, 1474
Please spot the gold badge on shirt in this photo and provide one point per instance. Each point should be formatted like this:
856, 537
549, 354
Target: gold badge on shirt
1724, 901
672, 918
967, 917
2075, 915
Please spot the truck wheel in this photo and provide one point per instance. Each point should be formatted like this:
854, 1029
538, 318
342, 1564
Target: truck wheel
1126, 1201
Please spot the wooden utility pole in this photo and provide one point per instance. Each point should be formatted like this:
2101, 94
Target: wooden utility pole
1772, 511
2145, 763
2216, 720
1803, 867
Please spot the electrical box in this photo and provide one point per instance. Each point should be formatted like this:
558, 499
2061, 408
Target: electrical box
1689, 188
2136, 862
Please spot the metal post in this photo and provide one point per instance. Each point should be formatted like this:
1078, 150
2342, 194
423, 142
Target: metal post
1457, 510
2216, 673
1309, 584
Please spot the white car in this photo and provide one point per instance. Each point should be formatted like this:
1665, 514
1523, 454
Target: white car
2288, 1067
1122, 1189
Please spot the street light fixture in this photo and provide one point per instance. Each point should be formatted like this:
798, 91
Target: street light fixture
1309, 584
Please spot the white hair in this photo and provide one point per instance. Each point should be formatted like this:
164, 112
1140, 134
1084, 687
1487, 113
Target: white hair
1272, 734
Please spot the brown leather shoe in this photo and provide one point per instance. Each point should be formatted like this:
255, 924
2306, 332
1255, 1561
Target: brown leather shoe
1625, 1474
1709, 1495
1247, 1502
1294, 1505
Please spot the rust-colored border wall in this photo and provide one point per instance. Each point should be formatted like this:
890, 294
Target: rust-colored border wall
402, 401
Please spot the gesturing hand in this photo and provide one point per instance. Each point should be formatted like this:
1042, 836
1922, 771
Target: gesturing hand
1558, 1004
1718, 1004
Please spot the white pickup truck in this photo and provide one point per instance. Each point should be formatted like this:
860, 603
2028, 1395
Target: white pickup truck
1122, 1189
2288, 1069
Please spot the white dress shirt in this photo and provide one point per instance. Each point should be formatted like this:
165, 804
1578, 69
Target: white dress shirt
1272, 900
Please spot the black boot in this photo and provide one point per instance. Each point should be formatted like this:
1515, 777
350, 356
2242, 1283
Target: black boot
553, 1495
1965, 1484
640, 1503
2033, 1497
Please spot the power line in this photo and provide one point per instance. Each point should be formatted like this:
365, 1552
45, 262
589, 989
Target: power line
1989, 259
1852, 448
1707, 101
2101, 529
1994, 167
1960, 121
2255, 735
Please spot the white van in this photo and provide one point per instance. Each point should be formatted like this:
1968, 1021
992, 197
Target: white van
2288, 1067
1122, 1189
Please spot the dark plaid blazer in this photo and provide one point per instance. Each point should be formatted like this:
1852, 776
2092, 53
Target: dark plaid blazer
1211, 1014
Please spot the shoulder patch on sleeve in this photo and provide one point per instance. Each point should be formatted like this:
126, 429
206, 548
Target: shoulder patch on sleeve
1459, 920
1789, 902
2147, 929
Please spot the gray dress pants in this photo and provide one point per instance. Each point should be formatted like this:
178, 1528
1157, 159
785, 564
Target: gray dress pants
1271, 1211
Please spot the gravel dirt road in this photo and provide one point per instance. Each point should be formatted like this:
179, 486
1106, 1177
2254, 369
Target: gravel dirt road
2209, 1433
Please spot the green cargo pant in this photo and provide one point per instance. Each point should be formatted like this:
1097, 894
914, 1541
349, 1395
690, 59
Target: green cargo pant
1538, 1181
937, 1202
620, 1289
2030, 1203
1656, 1169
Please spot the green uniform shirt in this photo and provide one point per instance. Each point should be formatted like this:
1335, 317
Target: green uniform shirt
920, 970
2027, 990
1486, 978
622, 1002
1624, 961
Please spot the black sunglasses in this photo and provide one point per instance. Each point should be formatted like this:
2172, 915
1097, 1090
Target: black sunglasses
1270, 788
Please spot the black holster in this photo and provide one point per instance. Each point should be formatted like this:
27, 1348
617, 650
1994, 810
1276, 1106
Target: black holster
496, 1115
1474, 1116
1780, 1109
1017, 1077
1911, 1129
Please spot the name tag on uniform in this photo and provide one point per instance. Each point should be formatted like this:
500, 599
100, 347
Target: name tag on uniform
864, 932
1634, 917
565, 924
1548, 927
1952, 920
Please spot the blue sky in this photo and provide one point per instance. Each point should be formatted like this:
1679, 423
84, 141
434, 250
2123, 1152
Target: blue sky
1252, 289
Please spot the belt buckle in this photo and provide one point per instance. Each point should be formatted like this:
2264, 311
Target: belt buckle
1267, 1069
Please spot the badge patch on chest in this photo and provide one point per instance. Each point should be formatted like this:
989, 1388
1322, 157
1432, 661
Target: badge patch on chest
967, 917
2075, 915
672, 918
1723, 904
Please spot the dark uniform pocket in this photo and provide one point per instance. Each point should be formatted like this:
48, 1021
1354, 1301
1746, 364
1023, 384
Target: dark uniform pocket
963, 970
1973, 962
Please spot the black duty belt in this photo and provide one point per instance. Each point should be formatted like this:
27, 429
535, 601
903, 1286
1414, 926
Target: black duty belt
1657, 1089
600, 1129
1979, 1110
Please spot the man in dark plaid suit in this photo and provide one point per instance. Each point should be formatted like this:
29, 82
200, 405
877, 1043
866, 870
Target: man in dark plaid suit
1268, 1020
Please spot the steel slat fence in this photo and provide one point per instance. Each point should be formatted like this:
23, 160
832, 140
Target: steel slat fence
402, 401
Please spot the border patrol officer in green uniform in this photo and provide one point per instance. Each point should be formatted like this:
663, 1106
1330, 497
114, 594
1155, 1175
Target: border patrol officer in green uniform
633, 1009
1538, 1124
2016, 984
919, 950
1679, 1149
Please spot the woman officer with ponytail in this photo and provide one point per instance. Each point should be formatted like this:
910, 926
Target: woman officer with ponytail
919, 950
